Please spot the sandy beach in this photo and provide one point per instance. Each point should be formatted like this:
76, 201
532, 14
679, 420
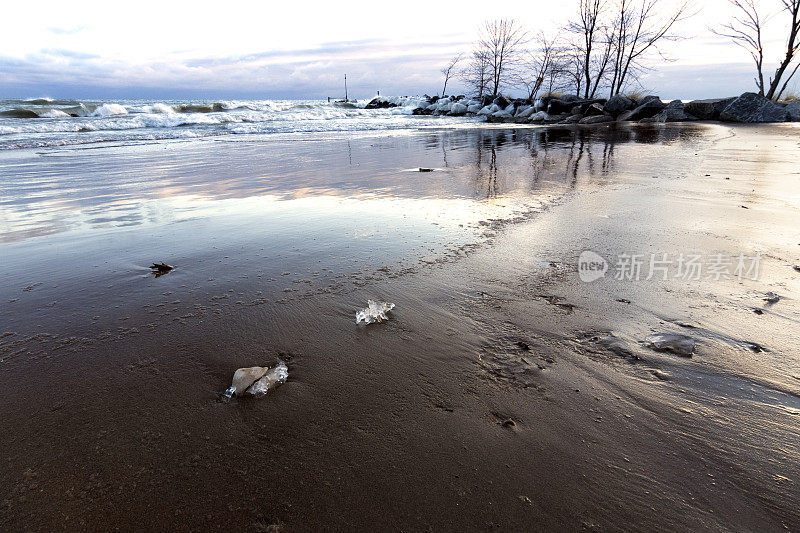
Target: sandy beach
504, 393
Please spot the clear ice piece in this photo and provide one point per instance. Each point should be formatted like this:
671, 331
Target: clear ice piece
375, 312
274, 377
671, 342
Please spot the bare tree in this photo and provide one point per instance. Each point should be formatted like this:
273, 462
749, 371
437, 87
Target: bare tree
746, 28
501, 42
792, 7
638, 28
449, 70
557, 75
589, 30
601, 61
573, 67
477, 73
541, 67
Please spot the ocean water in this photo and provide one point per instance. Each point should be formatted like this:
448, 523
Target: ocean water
44, 122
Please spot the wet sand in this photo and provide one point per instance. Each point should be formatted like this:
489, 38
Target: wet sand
503, 393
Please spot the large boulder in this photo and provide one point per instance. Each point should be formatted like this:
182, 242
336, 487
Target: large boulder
442, 107
501, 102
674, 112
555, 119
793, 109
557, 105
380, 103
574, 119
618, 104
649, 107
458, 110
708, 109
565, 104
540, 116
754, 108
596, 119
594, 110
525, 112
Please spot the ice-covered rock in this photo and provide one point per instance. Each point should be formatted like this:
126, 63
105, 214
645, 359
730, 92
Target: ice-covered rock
374, 312
473, 108
444, 108
540, 116
525, 111
671, 342
503, 113
458, 109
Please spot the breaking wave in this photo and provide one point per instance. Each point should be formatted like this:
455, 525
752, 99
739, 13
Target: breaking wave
41, 122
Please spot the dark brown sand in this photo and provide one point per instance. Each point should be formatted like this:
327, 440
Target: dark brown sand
504, 393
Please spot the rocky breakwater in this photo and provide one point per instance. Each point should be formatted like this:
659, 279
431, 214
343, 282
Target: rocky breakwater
747, 108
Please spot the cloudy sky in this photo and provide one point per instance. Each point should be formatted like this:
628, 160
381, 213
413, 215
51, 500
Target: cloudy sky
237, 49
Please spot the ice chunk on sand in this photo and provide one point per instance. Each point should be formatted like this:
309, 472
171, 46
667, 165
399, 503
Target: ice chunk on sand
375, 312
671, 342
257, 380
274, 377
244, 377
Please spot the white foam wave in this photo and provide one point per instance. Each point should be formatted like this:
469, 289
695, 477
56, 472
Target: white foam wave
81, 122
53, 113
107, 110
157, 108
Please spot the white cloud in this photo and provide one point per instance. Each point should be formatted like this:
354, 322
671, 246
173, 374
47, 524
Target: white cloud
298, 48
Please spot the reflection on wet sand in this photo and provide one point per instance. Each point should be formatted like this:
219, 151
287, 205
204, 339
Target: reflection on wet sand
55, 191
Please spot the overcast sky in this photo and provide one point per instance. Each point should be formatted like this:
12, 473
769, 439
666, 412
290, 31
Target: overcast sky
235, 49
